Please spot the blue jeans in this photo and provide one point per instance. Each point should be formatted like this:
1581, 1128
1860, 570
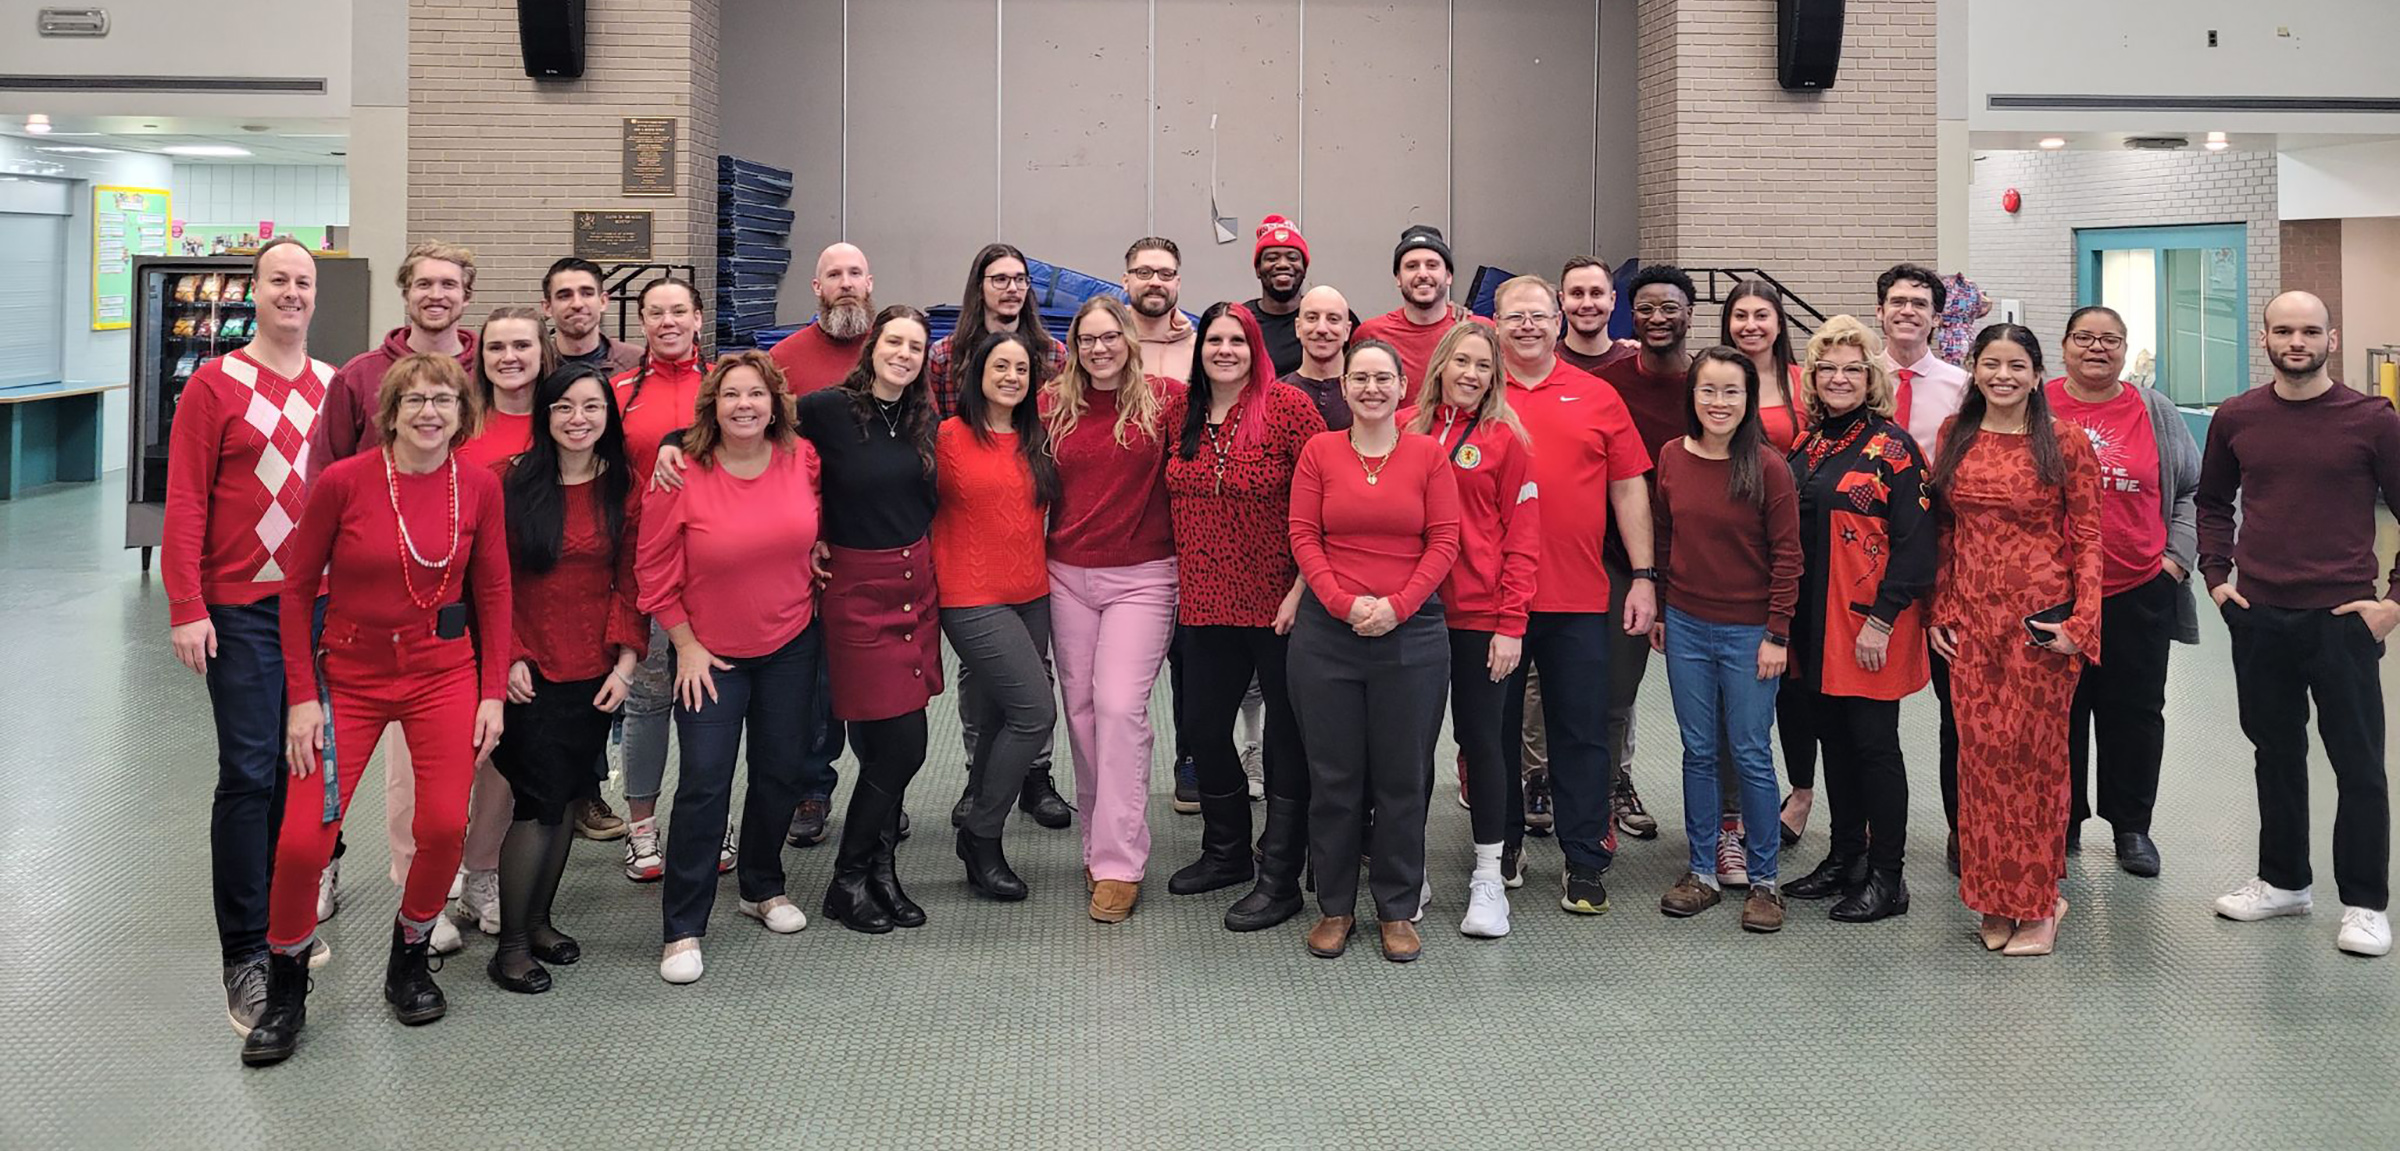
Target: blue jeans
1712, 670
1569, 650
245, 697
771, 697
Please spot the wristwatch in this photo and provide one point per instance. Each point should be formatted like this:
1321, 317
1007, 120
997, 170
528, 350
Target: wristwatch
1650, 574
1779, 640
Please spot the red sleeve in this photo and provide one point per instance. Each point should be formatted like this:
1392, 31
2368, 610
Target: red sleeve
1783, 542
1520, 534
487, 581
1441, 529
2082, 495
659, 568
311, 548
626, 628
336, 436
193, 446
1308, 534
1627, 457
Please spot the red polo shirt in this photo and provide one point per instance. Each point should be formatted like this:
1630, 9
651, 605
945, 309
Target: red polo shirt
1583, 439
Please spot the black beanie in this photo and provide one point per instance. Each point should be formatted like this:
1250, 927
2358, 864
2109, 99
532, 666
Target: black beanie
1422, 236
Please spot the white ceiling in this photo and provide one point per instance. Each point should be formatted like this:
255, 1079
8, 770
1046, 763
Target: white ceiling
286, 141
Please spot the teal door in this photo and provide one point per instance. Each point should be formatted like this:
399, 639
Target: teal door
2183, 292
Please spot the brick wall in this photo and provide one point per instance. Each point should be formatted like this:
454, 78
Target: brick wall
2031, 256
2312, 260
1823, 190
497, 161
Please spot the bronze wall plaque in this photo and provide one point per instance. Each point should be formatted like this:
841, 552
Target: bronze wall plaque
649, 160
603, 236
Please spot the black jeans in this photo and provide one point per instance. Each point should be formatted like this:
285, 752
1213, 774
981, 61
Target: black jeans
1949, 740
1571, 652
826, 736
1795, 726
1218, 664
2281, 658
769, 696
1374, 708
1010, 710
245, 697
2125, 701
1478, 711
1866, 777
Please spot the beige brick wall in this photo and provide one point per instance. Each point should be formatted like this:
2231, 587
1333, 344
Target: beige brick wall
497, 161
1822, 190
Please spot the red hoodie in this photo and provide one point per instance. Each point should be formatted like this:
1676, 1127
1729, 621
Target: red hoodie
346, 426
1499, 524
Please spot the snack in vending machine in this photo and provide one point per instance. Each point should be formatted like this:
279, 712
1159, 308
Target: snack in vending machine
237, 289
210, 286
184, 287
208, 328
183, 326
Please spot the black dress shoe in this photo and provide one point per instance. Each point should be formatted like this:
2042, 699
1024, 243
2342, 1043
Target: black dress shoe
987, 869
1882, 896
1836, 875
1040, 799
277, 1033
2136, 854
2075, 838
563, 950
534, 980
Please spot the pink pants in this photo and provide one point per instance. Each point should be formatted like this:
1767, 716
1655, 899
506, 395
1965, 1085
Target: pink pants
1109, 629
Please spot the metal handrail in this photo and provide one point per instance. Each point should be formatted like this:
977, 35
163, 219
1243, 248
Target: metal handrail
1706, 280
618, 280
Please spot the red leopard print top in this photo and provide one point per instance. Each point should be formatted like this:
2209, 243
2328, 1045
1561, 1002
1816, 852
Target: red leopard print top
1232, 511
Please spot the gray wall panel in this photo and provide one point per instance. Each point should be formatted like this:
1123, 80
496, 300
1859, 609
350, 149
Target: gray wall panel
1237, 60
1378, 123
1616, 215
780, 103
922, 190
1521, 159
1074, 168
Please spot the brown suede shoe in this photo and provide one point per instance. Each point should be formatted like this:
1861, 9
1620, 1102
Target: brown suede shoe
1113, 899
1689, 897
1400, 942
1762, 912
1331, 936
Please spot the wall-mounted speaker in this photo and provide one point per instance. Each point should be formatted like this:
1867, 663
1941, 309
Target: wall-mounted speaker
1808, 43
551, 33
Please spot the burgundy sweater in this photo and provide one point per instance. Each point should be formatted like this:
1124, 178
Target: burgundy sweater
1726, 561
2308, 474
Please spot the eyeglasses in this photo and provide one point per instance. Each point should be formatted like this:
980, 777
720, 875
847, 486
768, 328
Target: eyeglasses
675, 313
1099, 340
440, 402
1841, 371
565, 409
1148, 275
1014, 280
1526, 319
1909, 303
1385, 379
1660, 311
1720, 394
2096, 340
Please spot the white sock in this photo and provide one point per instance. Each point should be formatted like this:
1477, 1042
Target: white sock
1487, 861
1709, 878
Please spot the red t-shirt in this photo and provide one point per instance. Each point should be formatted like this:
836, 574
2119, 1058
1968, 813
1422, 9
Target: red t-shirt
502, 438
811, 360
1396, 537
663, 407
1593, 364
1656, 401
987, 531
1112, 503
235, 458
729, 556
1414, 341
1583, 440
571, 620
1499, 524
2133, 526
1232, 507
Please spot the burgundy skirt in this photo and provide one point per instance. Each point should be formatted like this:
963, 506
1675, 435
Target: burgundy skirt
883, 648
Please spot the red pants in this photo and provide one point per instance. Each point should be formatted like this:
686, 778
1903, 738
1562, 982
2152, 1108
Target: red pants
428, 687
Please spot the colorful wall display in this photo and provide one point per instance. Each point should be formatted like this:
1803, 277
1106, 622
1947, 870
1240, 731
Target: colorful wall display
126, 222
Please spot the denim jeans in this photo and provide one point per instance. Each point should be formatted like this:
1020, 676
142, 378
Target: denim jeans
1712, 671
1570, 651
245, 697
769, 698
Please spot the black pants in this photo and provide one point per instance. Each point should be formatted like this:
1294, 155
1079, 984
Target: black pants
1374, 714
766, 698
1175, 693
889, 750
1571, 651
1949, 740
1218, 664
1478, 710
1795, 725
1866, 777
2282, 658
2125, 701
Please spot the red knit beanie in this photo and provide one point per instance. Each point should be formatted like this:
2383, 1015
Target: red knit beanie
1277, 232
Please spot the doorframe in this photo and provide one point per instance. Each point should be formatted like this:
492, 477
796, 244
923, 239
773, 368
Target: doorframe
2234, 234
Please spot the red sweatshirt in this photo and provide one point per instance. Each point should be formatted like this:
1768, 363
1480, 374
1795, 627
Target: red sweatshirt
347, 425
1414, 341
1396, 537
571, 620
234, 485
662, 407
1112, 505
812, 360
1499, 524
349, 540
729, 556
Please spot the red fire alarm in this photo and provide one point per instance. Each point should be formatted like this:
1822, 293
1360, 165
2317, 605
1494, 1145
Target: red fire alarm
2010, 201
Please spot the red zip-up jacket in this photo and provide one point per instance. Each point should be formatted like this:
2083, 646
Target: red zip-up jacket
1499, 524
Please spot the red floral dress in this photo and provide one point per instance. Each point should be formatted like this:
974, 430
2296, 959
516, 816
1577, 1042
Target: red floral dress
2012, 546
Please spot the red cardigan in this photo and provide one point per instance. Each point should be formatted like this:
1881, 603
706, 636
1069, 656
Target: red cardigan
1499, 524
1396, 537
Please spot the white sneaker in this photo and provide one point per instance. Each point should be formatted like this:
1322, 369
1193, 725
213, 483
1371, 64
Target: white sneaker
727, 853
781, 918
1487, 909
2259, 899
458, 883
445, 939
2364, 932
680, 966
643, 863
318, 954
479, 903
1254, 769
329, 890
1424, 900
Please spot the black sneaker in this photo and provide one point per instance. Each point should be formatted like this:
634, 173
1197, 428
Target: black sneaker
1187, 787
1512, 865
1581, 891
808, 822
1539, 819
246, 994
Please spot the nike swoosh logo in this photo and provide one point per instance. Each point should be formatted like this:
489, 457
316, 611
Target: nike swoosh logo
1568, 399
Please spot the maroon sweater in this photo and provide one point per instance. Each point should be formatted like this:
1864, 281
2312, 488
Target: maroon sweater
2308, 474
1726, 561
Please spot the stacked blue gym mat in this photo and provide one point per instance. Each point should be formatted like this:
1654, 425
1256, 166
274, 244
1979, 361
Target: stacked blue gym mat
754, 248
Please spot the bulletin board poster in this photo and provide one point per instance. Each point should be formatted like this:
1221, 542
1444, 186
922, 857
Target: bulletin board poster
126, 222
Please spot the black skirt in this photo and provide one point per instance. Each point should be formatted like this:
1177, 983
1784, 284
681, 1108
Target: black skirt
549, 746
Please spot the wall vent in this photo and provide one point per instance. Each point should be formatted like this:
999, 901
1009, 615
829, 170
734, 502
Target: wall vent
2385, 105
276, 85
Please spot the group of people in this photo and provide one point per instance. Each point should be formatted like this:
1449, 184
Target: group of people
505, 544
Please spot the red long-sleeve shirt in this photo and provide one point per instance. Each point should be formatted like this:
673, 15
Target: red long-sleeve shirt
1232, 511
1396, 538
234, 485
1112, 503
1499, 524
571, 620
2308, 473
658, 407
1726, 560
729, 556
350, 540
812, 360
987, 531
502, 437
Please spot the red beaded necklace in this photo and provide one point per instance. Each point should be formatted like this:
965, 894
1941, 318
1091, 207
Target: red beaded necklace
409, 555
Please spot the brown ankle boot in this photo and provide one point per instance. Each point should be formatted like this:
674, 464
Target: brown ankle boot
1113, 899
1331, 936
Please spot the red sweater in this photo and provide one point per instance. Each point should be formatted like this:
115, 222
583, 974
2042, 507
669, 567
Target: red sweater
1112, 505
1415, 342
347, 425
349, 540
234, 488
1726, 561
812, 360
571, 620
2309, 474
1233, 512
987, 531
502, 438
1396, 537
729, 556
1655, 401
1499, 525
663, 407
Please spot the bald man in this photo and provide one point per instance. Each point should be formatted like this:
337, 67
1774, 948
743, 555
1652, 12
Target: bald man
1323, 322
821, 354
2308, 459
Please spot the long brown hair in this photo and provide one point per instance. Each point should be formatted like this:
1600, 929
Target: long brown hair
918, 420
541, 336
1743, 485
1493, 408
703, 437
1138, 406
2041, 435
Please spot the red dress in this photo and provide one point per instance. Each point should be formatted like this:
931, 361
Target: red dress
2012, 546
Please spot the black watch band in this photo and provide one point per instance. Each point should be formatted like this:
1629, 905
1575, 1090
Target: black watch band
1779, 639
1650, 574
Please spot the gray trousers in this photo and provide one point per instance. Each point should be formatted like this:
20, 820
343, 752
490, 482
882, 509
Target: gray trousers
1006, 648
1370, 713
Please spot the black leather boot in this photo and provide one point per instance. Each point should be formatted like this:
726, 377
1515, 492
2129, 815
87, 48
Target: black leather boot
1224, 845
1040, 799
849, 900
883, 881
277, 1033
987, 868
1283, 852
1835, 876
408, 983
1882, 896
964, 807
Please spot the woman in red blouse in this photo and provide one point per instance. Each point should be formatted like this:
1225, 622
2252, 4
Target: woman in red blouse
1756, 326
724, 569
1229, 490
1374, 528
571, 537
398, 538
1485, 596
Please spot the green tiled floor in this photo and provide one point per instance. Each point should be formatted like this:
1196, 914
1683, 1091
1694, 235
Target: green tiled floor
1027, 1025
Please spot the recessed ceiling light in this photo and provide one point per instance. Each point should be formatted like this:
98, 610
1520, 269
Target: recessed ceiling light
215, 150
77, 148
2216, 145
2054, 142
2216, 137
37, 124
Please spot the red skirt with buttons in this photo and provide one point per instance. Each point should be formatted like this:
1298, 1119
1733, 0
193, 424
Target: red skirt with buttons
883, 647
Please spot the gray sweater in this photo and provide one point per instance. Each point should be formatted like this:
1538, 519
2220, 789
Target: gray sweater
2179, 482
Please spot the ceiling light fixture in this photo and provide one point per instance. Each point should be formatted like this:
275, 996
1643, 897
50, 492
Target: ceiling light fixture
203, 150
2054, 143
2217, 142
79, 149
37, 124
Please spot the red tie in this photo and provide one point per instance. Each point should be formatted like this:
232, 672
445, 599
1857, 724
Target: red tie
1900, 397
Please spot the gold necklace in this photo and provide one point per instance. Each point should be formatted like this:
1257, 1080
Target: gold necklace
1374, 470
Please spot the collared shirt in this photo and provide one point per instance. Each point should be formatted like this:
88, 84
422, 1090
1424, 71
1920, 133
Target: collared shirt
1926, 393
